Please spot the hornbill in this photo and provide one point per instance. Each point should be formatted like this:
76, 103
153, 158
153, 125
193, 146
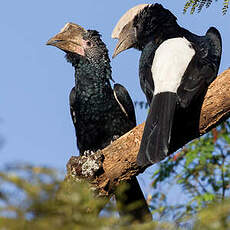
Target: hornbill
99, 113
175, 70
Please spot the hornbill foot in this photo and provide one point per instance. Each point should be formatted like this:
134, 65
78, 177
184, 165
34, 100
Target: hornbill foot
88, 153
114, 138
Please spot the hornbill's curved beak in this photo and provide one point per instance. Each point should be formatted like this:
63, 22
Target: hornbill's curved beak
126, 39
69, 39
124, 30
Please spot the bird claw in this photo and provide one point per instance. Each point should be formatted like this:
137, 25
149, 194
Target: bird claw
114, 138
88, 153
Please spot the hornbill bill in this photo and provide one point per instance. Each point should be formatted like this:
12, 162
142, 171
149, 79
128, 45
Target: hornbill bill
175, 70
99, 113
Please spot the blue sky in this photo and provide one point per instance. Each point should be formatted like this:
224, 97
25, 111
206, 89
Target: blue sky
36, 79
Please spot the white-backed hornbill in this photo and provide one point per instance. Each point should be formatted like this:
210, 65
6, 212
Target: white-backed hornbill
99, 113
175, 69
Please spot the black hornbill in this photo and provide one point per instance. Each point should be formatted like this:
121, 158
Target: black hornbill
99, 113
175, 69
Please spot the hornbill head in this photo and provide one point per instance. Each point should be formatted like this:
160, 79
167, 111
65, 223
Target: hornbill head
79, 43
69, 39
141, 24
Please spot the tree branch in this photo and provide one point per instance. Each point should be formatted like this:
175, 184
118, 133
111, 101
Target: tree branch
118, 160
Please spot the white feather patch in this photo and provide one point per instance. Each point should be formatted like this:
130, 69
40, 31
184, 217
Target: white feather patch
121, 106
169, 64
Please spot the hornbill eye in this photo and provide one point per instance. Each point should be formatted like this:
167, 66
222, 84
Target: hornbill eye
88, 43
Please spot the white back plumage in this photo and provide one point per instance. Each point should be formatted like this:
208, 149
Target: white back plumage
169, 64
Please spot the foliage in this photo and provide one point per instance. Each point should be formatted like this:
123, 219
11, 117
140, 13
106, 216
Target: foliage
35, 198
199, 4
201, 170
215, 217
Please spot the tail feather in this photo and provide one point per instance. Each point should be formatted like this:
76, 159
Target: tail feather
132, 202
157, 132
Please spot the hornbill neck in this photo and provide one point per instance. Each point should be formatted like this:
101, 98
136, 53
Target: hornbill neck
190, 36
163, 32
167, 31
93, 70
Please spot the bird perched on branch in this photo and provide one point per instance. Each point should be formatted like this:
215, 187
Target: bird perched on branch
175, 69
99, 113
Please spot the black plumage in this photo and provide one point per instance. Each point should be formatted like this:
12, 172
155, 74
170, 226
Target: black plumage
154, 31
100, 114
97, 115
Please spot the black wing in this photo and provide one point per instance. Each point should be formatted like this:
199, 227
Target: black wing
72, 105
145, 73
202, 69
82, 137
125, 102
